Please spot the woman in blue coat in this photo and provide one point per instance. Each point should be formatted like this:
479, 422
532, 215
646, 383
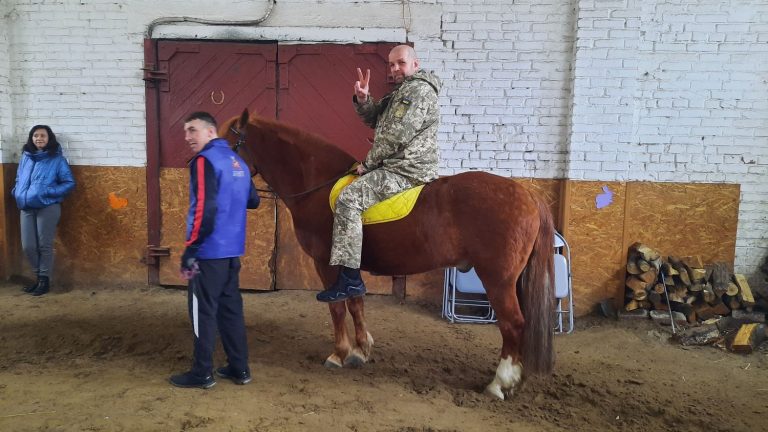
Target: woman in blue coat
42, 181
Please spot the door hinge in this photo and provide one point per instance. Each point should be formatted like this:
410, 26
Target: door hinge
153, 254
154, 76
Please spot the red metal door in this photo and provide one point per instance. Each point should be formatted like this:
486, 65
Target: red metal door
220, 78
316, 88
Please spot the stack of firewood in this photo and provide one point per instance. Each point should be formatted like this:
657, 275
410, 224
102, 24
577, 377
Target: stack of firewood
686, 285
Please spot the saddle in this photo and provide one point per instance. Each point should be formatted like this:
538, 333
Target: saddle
391, 209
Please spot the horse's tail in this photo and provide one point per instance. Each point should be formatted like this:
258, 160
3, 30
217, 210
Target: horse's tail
537, 294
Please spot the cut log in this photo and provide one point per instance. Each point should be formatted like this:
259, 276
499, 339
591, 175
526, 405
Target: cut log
705, 311
659, 288
682, 269
708, 295
748, 317
640, 295
646, 252
696, 287
643, 265
704, 335
632, 267
745, 292
635, 284
732, 302
719, 278
685, 309
693, 262
649, 277
732, 289
631, 305
748, 337
668, 270
698, 275
662, 317
656, 301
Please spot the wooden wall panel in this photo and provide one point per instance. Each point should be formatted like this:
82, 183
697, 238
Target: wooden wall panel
295, 269
260, 236
103, 230
550, 191
596, 240
684, 219
10, 243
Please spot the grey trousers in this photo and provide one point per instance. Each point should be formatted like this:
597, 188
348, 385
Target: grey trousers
362, 193
38, 230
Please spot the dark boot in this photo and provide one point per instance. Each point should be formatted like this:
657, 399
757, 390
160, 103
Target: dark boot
349, 284
43, 286
29, 288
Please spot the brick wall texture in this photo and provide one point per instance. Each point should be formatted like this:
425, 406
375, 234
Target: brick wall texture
607, 90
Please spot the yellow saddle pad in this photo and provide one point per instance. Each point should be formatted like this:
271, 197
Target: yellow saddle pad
391, 209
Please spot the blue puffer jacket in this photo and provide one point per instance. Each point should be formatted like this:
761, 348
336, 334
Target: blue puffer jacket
42, 180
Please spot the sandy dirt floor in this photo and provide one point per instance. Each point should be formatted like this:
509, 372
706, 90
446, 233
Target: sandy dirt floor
99, 360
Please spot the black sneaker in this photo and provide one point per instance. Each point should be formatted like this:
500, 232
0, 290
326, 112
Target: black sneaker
190, 380
343, 289
237, 377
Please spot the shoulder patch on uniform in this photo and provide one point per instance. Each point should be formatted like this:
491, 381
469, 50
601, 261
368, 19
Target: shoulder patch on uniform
402, 107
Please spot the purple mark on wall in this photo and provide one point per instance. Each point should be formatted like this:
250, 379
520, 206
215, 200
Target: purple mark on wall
604, 199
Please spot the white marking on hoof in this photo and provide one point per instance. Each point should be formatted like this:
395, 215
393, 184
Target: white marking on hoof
333, 362
507, 378
355, 359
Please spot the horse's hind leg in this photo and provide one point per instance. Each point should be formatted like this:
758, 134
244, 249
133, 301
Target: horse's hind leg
363, 340
503, 297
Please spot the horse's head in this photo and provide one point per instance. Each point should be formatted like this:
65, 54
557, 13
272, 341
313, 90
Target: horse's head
235, 130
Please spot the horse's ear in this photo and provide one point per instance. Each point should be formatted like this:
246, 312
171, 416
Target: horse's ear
243, 119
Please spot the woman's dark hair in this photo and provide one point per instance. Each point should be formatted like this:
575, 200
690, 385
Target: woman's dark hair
52, 147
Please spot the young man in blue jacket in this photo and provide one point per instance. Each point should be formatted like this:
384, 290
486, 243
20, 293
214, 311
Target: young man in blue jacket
220, 192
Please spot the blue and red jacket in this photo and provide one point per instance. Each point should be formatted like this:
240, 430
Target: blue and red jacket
220, 192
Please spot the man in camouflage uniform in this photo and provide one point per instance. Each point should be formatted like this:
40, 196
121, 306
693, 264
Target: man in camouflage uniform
404, 155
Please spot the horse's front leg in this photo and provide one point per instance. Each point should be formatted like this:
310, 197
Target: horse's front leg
342, 347
363, 339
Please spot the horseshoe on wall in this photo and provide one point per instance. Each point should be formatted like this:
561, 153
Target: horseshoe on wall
220, 101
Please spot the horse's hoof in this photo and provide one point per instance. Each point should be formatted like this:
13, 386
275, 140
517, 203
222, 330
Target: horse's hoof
494, 390
332, 362
354, 360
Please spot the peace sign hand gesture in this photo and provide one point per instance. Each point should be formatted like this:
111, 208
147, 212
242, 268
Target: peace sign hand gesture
361, 86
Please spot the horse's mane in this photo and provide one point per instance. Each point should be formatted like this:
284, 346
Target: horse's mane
306, 142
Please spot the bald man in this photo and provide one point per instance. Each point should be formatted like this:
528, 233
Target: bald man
404, 155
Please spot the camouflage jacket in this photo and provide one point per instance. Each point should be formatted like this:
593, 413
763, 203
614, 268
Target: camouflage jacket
405, 123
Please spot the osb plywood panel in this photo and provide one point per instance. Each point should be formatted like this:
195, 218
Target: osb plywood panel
10, 243
684, 219
595, 238
102, 234
296, 270
260, 235
549, 191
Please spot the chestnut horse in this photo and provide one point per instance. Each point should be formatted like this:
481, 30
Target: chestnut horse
474, 219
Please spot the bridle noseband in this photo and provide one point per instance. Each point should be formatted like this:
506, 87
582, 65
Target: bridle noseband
240, 137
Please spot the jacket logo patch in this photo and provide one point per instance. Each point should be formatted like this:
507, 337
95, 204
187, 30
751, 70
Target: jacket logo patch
402, 107
237, 170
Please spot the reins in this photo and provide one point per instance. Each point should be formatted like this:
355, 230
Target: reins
241, 140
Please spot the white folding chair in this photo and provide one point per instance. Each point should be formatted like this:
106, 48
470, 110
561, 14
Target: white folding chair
563, 291
464, 298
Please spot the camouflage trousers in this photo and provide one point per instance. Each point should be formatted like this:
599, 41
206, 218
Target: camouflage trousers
367, 190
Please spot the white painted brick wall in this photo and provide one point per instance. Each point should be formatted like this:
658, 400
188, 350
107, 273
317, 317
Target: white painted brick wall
6, 115
688, 81
613, 90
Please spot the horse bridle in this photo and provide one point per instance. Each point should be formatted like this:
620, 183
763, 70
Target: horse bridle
241, 136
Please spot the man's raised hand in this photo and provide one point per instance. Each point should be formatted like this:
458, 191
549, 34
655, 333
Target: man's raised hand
361, 85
